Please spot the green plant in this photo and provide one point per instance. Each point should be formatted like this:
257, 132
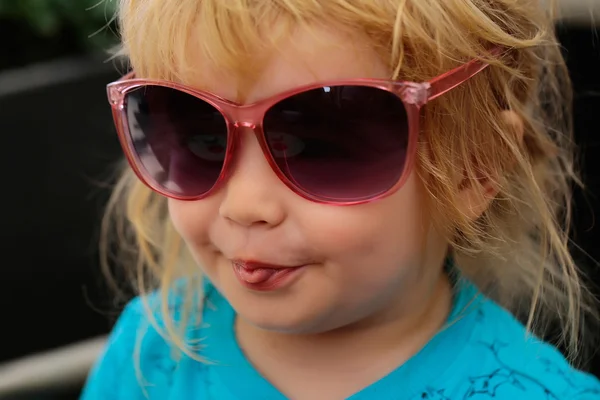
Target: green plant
91, 22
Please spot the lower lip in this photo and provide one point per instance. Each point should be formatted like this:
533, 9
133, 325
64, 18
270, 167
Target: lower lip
277, 280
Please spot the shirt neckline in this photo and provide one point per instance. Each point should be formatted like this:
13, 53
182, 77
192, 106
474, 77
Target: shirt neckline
241, 379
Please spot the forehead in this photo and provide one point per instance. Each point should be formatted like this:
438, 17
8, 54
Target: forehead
308, 55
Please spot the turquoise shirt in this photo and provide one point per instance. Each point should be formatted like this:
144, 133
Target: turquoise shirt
483, 354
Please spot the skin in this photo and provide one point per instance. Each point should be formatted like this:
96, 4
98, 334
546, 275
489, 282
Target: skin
375, 282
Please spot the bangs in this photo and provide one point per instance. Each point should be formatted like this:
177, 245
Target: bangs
418, 39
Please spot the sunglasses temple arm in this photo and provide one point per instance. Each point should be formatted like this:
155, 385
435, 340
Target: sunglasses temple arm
456, 77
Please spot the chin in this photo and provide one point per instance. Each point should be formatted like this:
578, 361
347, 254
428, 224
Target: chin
288, 322
272, 323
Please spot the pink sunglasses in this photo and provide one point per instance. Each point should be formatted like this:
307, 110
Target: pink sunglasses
341, 142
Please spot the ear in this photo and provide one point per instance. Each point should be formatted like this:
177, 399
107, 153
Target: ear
475, 196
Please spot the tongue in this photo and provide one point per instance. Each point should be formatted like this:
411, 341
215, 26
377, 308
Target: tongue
258, 275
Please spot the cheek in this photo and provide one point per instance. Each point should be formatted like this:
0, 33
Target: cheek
387, 234
192, 219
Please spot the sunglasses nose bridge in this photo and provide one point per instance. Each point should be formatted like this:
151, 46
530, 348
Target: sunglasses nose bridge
244, 124
248, 117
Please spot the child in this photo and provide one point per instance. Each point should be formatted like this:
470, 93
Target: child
343, 199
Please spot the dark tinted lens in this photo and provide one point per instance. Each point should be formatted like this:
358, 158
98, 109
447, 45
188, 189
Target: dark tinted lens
340, 142
179, 140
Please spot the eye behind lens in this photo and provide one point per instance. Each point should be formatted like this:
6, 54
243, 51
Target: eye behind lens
178, 140
354, 141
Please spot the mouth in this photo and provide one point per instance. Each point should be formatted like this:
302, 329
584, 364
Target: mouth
254, 265
263, 276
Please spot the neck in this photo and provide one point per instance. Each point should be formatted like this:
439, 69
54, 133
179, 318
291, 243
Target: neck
392, 335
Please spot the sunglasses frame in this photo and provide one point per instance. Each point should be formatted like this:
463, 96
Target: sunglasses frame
413, 95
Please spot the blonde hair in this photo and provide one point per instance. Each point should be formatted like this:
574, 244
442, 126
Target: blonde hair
517, 252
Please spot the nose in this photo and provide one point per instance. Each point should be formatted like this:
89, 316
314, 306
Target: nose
252, 195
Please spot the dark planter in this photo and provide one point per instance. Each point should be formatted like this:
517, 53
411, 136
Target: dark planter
59, 148
582, 52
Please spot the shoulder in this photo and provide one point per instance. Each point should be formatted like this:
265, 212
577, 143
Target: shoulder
510, 363
137, 362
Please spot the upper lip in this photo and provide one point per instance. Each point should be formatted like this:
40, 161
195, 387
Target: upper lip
253, 264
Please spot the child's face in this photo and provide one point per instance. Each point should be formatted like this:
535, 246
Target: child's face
358, 261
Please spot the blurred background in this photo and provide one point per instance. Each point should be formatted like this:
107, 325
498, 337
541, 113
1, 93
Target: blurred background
59, 154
